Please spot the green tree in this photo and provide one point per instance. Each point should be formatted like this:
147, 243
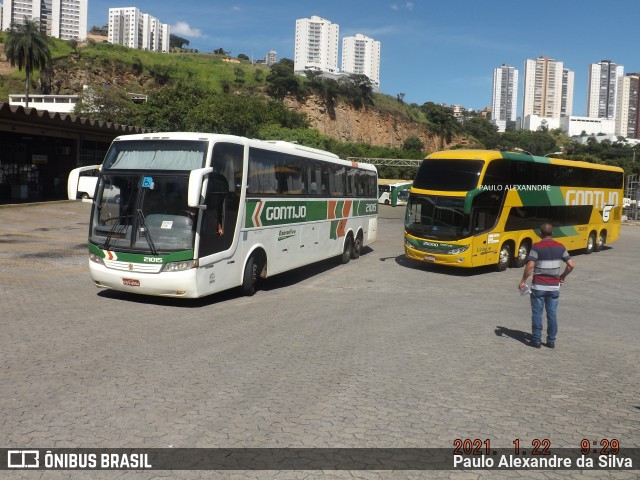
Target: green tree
413, 144
239, 74
282, 81
107, 104
441, 121
242, 56
357, 89
167, 108
177, 42
28, 48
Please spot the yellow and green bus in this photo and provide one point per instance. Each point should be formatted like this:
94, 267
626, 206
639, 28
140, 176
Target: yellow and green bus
471, 208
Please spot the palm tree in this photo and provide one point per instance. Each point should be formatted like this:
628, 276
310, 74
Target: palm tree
27, 47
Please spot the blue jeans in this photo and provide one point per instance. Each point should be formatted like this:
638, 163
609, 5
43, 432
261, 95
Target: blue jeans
541, 300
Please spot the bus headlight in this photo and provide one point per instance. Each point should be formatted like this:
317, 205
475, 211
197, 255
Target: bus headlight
180, 266
458, 251
96, 259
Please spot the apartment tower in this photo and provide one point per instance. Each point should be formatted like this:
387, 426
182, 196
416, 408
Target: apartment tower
628, 106
65, 19
316, 45
505, 97
548, 88
602, 92
361, 55
134, 29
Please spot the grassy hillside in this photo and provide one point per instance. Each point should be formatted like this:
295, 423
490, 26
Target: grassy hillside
141, 70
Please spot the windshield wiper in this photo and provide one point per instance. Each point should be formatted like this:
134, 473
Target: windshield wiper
147, 233
113, 233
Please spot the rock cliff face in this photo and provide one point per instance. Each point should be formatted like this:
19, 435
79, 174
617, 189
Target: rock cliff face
366, 125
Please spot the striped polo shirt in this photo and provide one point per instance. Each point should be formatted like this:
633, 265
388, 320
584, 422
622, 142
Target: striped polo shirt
549, 256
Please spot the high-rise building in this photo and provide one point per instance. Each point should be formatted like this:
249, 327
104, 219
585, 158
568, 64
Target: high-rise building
602, 90
361, 55
628, 106
65, 19
316, 45
505, 97
134, 29
566, 97
548, 88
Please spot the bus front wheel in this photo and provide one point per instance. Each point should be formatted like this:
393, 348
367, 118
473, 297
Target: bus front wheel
504, 257
250, 277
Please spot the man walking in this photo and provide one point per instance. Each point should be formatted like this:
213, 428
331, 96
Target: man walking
545, 261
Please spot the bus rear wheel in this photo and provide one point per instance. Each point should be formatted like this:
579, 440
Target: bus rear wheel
523, 252
504, 257
357, 246
600, 242
250, 277
347, 252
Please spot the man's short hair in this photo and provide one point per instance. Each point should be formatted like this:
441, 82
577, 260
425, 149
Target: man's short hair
546, 230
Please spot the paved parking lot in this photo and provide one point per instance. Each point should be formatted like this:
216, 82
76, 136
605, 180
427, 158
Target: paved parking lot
381, 352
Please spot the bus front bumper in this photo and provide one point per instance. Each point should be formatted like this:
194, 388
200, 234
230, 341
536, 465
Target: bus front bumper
453, 260
174, 284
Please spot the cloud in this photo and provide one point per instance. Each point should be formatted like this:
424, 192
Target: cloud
402, 6
183, 28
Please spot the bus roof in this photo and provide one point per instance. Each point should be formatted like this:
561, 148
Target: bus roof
276, 145
489, 155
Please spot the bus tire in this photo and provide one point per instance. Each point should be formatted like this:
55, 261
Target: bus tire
386, 202
357, 246
250, 277
84, 196
504, 257
521, 256
600, 241
591, 243
347, 250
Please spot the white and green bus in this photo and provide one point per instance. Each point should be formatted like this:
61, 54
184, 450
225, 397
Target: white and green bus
191, 214
393, 193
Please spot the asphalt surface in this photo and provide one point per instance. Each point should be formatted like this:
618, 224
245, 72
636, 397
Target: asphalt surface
379, 353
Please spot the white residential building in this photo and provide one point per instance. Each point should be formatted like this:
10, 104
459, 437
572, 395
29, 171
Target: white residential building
361, 55
576, 126
134, 29
65, 19
602, 89
548, 88
628, 110
505, 97
316, 45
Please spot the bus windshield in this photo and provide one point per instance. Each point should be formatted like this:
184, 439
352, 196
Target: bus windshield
437, 217
448, 175
156, 155
143, 212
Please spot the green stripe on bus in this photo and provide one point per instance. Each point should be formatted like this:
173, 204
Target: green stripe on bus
277, 212
542, 198
567, 231
140, 257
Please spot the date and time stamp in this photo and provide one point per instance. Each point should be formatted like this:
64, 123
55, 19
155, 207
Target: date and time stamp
600, 453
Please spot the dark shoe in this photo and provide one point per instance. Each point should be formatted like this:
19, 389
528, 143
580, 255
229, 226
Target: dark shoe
535, 344
551, 345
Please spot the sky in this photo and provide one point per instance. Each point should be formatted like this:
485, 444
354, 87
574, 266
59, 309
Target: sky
441, 51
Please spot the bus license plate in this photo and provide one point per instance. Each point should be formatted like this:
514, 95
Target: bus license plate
429, 258
129, 282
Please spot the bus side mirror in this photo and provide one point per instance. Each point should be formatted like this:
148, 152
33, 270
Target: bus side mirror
196, 177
